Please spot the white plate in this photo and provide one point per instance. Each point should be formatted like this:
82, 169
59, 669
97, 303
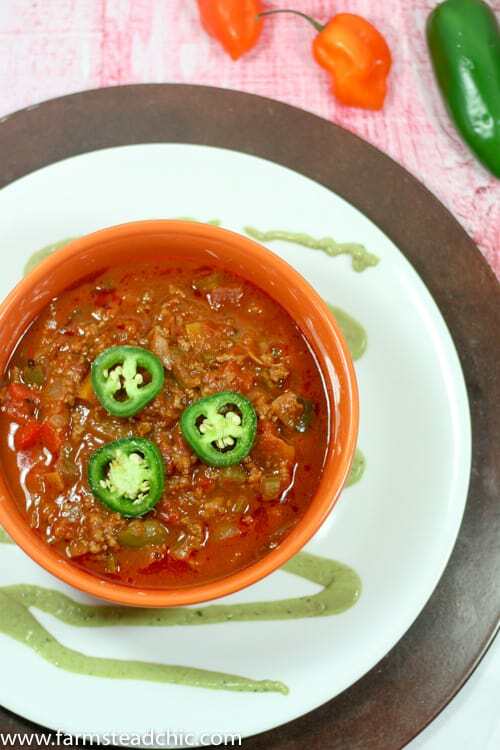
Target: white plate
397, 527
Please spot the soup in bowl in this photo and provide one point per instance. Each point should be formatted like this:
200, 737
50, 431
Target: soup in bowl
178, 413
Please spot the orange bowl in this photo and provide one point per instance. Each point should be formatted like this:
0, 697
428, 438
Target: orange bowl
150, 241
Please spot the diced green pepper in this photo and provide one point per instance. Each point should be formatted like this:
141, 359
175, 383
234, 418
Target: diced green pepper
304, 421
143, 534
33, 374
236, 474
270, 487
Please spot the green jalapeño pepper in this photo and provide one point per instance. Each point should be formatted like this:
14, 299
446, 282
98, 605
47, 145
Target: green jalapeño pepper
126, 379
464, 42
220, 429
127, 476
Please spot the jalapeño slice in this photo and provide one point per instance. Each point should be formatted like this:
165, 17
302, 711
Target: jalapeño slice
127, 476
126, 379
220, 429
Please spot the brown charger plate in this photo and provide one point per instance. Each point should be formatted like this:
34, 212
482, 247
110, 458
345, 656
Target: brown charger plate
411, 685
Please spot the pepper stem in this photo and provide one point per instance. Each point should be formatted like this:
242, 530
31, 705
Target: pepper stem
317, 25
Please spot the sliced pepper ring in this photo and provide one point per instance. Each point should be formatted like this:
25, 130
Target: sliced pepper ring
220, 429
118, 383
127, 476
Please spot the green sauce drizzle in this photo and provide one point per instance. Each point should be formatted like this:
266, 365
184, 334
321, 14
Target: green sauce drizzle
17, 622
37, 257
341, 588
212, 222
357, 469
40, 255
353, 331
4, 537
357, 340
360, 257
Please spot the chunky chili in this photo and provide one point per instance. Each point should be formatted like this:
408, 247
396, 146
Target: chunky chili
204, 472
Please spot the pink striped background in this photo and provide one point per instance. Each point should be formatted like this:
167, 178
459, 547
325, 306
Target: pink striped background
54, 47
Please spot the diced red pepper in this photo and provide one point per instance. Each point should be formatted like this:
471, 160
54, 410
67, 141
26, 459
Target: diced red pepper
19, 403
204, 482
19, 392
32, 433
105, 298
27, 435
50, 438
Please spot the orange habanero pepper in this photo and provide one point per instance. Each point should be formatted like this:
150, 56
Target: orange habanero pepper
234, 23
356, 55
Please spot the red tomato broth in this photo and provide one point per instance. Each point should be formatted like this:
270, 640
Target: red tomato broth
213, 331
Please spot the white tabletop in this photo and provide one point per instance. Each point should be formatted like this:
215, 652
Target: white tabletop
472, 720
